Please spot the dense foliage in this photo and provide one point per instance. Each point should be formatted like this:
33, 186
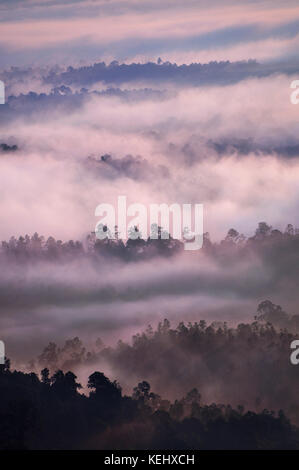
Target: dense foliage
51, 414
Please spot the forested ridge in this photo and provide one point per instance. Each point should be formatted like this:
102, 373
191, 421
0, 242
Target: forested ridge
37, 247
49, 413
199, 384
249, 365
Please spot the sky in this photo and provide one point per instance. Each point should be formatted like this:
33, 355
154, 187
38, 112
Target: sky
35, 32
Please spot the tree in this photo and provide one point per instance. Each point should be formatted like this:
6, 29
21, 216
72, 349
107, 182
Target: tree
104, 389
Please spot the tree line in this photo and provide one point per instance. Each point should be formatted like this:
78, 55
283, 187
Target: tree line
48, 412
37, 247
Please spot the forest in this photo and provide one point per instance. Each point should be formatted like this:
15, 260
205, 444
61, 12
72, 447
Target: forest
246, 369
36, 247
198, 385
48, 412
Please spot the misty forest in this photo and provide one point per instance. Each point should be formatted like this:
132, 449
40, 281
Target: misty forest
219, 385
135, 342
